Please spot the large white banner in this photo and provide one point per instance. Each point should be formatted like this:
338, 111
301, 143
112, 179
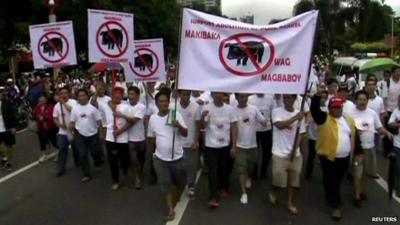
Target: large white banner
110, 36
53, 45
218, 54
147, 63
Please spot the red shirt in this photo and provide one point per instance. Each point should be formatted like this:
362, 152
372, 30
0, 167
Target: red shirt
45, 111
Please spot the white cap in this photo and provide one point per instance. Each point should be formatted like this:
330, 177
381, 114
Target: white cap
2, 88
9, 80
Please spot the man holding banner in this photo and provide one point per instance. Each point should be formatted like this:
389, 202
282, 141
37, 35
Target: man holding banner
221, 129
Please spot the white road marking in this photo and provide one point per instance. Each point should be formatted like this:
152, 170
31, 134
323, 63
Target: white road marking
15, 173
182, 204
384, 185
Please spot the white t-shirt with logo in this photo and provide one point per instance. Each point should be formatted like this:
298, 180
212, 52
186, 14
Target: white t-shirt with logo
265, 104
191, 115
218, 130
377, 105
395, 118
163, 134
344, 146
393, 94
283, 139
367, 122
58, 113
85, 118
248, 118
108, 119
137, 133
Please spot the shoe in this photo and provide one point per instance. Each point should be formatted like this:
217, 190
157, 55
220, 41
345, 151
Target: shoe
191, 193
248, 183
225, 193
293, 210
8, 166
42, 158
336, 214
357, 203
272, 199
60, 173
363, 196
244, 200
115, 187
85, 179
214, 203
170, 217
376, 176
138, 184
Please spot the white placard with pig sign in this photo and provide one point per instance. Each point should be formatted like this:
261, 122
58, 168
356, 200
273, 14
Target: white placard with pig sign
147, 63
218, 54
53, 45
110, 36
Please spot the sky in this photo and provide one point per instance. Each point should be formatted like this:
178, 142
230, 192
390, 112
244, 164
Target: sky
265, 10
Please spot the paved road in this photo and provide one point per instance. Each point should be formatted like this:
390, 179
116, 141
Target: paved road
37, 197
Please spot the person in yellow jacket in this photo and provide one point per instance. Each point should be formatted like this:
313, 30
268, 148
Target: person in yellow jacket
335, 146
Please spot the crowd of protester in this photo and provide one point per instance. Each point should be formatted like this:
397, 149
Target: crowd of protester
180, 132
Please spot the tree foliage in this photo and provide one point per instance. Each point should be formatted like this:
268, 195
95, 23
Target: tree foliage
344, 22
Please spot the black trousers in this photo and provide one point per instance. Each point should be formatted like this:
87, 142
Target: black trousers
264, 140
387, 144
118, 156
310, 158
47, 136
332, 175
218, 169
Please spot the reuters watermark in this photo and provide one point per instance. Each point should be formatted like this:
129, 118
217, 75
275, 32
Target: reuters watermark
384, 219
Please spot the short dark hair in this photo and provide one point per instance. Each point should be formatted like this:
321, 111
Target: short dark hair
162, 93
82, 90
371, 77
360, 92
63, 88
331, 80
134, 89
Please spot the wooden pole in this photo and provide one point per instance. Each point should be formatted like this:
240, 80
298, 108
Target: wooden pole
177, 82
297, 136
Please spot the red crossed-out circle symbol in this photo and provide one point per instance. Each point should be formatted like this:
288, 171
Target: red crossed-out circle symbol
53, 44
143, 59
241, 51
112, 34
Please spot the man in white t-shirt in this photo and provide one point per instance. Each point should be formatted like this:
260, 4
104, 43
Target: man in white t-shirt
367, 123
100, 97
394, 123
165, 132
190, 112
375, 102
264, 103
61, 115
136, 134
246, 155
286, 157
343, 92
115, 115
220, 125
86, 128
391, 101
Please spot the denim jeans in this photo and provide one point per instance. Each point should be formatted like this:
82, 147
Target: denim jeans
86, 145
63, 144
397, 172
